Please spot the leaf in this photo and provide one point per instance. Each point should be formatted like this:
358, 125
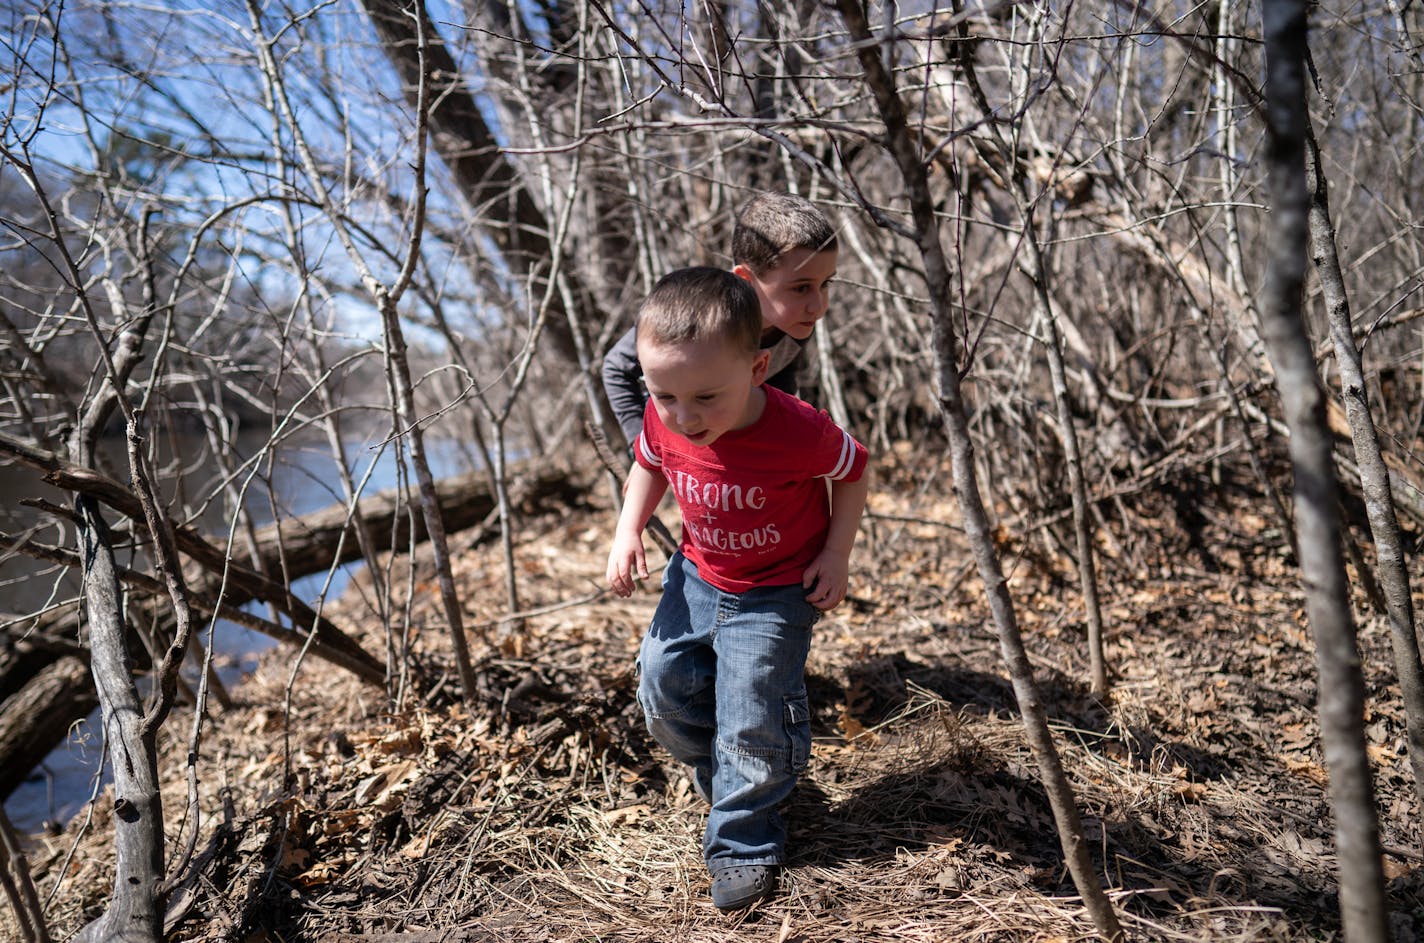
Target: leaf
1192, 792
1380, 753
342, 821
323, 872
627, 815
294, 858
1308, 769
416, 848
950, 879
380, 787
850, 727
1395, 869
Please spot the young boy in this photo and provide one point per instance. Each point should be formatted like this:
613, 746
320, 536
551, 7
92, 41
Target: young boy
786, 248
764, 549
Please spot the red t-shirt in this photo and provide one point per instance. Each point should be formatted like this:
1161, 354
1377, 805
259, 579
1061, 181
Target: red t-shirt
755, 507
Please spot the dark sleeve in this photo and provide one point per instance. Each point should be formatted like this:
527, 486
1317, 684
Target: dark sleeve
785, 378
623, 384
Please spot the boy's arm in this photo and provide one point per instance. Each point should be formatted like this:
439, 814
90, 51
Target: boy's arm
626, 562
829, 574
622, 384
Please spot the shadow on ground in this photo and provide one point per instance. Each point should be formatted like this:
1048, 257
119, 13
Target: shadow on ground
964, 801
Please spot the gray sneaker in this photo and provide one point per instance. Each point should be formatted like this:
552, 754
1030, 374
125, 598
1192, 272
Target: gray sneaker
742, 885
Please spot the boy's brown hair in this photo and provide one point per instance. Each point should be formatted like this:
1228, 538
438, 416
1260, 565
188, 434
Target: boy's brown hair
771, 224
700, 303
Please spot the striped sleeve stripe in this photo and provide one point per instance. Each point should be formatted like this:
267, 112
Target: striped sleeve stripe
648, 451
847, 459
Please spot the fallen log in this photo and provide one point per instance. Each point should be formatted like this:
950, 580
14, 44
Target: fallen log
38, 716
26, 656
349, 656
295, 547
312, 543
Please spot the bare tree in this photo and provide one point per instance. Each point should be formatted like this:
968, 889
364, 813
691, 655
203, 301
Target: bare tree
387, 298
313, 277
135, 910
1035, 261
937, 275
1322, 566
134, 302
1374, 473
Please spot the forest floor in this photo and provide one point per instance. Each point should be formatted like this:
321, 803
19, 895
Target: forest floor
540, 810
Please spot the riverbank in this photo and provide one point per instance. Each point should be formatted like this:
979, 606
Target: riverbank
539, 811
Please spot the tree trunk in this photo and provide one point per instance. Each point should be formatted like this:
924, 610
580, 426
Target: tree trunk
135, 911
1036, 266
976, 521
429, 503
488, 181
1369, 457
1327, 602
1082, 530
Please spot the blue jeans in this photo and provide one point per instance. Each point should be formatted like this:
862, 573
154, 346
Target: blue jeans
723, 687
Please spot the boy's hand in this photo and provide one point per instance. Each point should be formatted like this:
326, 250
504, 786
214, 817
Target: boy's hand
626, 563
826, 578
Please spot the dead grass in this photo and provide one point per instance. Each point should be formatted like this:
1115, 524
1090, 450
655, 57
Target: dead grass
544, 813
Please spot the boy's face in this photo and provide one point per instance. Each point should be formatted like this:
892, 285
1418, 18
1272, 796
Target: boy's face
795, 293
705, 389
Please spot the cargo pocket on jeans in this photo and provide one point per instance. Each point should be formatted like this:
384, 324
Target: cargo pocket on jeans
797, 715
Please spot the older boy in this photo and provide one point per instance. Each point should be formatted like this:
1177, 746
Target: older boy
764, 549
786, 248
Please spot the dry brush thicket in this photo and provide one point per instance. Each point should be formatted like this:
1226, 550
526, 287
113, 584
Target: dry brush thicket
233, 227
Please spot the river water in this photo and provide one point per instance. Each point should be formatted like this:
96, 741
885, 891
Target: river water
303, 479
